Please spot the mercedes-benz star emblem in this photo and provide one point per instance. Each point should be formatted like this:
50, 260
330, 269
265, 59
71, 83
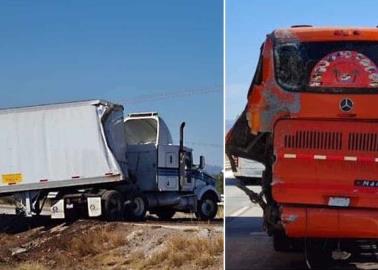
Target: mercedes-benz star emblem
346, 105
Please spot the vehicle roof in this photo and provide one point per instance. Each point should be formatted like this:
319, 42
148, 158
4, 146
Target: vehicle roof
309, 33
59, 105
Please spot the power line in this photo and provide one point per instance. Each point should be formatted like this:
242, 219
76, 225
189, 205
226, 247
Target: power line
172, 95
205, 144
178, 94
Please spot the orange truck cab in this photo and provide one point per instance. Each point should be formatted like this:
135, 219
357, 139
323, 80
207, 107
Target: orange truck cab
312, 120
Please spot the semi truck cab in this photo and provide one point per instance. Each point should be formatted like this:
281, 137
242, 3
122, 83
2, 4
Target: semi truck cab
165, 172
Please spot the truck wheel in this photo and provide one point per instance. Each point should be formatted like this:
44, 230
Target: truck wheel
112, 205
207, 207
166, 214
318, 254
281, 243
138, 208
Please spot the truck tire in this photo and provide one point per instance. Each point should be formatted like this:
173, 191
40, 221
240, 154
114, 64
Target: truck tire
165, 214
112, 205
207, 207
318, 254
137, 209
281, 243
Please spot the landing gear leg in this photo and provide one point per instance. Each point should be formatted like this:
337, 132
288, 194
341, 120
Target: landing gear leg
27, 203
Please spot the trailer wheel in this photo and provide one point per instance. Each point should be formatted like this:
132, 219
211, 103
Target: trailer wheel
138, 207
207, 207
112, 204
165, 214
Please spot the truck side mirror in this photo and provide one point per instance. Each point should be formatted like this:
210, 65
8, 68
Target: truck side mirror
202, 162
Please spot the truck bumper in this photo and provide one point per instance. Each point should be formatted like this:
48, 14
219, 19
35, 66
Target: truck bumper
330, 222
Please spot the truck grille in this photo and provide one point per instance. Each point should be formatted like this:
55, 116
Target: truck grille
332, 140
363, 142
300, 136
314, 140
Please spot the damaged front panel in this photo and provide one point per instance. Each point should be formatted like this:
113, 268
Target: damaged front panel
250, 135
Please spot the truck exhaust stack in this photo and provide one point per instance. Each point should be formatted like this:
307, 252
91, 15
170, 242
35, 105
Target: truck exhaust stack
182, 126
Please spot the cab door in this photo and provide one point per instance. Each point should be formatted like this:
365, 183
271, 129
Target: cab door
168, 174
188, 181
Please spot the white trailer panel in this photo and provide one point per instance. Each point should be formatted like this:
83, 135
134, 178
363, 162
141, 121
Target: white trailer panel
59, 145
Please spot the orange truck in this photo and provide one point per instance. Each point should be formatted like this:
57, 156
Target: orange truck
312, 120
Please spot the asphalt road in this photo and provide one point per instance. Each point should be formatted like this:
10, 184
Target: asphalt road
249, 247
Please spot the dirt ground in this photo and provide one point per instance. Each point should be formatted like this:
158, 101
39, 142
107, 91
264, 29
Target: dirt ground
40, 243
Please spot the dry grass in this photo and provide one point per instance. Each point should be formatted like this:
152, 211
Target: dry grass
220, 213
110, 246
95, 242
6, 239
30, 266
75, 250
178, 251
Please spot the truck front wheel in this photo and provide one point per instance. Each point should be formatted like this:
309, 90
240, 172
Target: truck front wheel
112, 204
207, 207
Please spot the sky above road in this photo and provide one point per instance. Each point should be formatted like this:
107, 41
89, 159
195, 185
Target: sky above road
163, 56
248, 22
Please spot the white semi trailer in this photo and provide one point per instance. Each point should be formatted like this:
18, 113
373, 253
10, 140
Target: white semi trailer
75, 156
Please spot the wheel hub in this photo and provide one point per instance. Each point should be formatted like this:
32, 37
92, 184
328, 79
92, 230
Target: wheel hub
139, 206
207, 207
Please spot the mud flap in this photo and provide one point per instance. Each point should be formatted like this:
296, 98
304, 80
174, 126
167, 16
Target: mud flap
57, 210
94, 206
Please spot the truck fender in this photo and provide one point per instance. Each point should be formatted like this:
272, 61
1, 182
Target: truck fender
202, 190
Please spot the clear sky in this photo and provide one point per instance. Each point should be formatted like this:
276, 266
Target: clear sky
163, 56
248, 22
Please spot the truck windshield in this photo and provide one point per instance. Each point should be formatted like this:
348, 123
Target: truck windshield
141, 131
338, 67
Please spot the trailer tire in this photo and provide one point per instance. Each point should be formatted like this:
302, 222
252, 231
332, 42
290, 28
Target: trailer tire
136, 211
112, 204
207, 207
165, 214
